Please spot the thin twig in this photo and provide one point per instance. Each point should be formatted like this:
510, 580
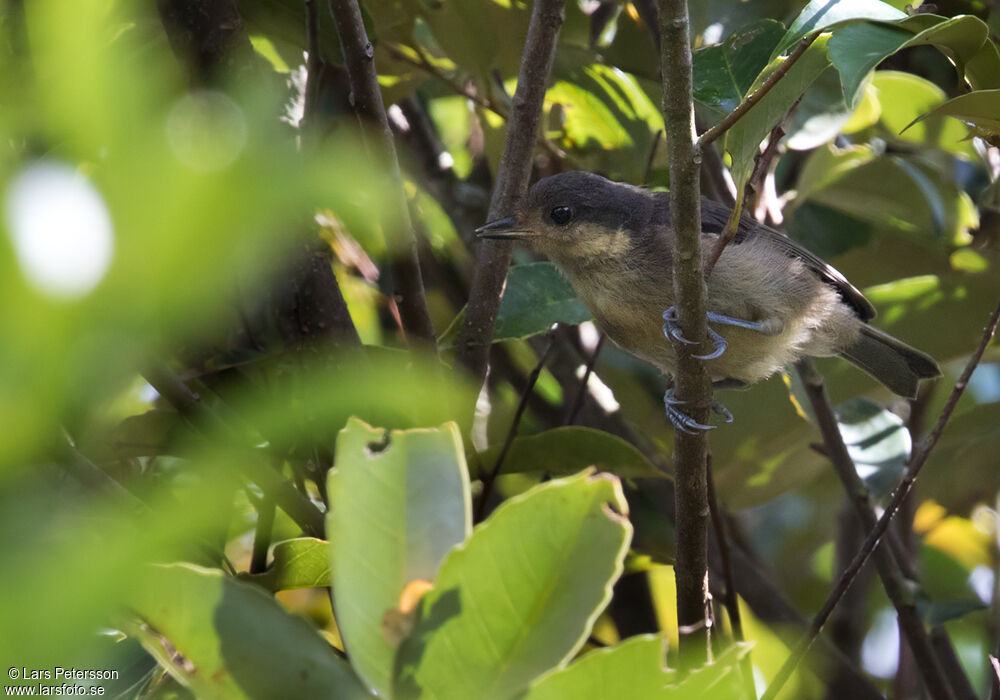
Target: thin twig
693, 386
262, 534
513, 173
757, 95
574, 409
489, 479
652, 156
367, 100
732, 600
917, 460
313, 64
885, 559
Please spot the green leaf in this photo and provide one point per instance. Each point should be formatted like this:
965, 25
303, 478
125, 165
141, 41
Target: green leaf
536, 296
569, 449
521, 596
824, 14
877, 441
980, 110
632, 669
303, 562
398, 502
724, 73
938, 612
226, 639
744, 139
858, 48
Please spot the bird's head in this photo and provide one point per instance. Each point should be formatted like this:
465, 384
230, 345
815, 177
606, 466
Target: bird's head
577, 219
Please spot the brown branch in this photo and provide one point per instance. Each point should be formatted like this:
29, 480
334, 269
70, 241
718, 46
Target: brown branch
513, 173
917, 460
732, 600
490, 478
757, 95
892, 578
692, 381
367, 100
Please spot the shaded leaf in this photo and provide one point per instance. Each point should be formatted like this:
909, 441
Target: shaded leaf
507, 607
536, 297
823, 14
218, 627
398, 502
570, 449
303, 562
938, 612
724, 73
980, 110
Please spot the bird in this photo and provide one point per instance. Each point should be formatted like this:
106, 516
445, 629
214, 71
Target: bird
770, 301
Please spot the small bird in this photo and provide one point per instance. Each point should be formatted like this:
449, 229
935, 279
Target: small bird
777, 301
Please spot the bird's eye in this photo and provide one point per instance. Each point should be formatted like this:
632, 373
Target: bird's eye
561, 215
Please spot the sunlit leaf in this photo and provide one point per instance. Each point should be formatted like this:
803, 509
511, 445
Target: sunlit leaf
487, 629
303, 562
980, 110
398, 502
823, 14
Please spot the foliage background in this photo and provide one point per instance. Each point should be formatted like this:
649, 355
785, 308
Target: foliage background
219, 193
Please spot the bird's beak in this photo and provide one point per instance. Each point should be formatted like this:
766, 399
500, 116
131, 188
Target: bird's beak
507, 229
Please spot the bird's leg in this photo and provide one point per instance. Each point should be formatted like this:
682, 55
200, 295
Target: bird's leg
771, 326
686, 423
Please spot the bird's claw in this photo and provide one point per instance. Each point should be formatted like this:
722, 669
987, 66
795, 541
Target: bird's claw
686, 423
672, 330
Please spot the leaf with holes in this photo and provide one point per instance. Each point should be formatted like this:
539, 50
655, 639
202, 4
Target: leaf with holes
399, 501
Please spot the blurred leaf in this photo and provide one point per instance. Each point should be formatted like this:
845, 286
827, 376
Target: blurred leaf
877, 441
303, 562
905, 98
536, 296
148, 434
208, 630
823, 14
938, 612
487, 630
980, 110
724, 73
570, 449
744, 138
399, 501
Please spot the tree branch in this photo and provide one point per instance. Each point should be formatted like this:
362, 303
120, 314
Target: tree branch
917, 460
367, 100
888, 569
758, 94
693, 385
513, 173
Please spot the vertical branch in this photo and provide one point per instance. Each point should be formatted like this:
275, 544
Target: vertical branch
693, 386
367, 100
513, 172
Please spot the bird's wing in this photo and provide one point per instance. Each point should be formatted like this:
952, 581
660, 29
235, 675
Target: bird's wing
714, 217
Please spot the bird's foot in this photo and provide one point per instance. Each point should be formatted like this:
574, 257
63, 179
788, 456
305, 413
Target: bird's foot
672, 330
686, 423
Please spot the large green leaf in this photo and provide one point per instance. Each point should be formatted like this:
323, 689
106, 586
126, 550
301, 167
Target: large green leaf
227, 639
744, 139
823, 14
521, 596
858, 48
398, 502
569, 449
877, 441
303, 562
724, 73
634, 669
536, 296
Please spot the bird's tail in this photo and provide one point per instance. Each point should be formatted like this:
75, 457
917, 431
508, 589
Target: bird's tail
891, 361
